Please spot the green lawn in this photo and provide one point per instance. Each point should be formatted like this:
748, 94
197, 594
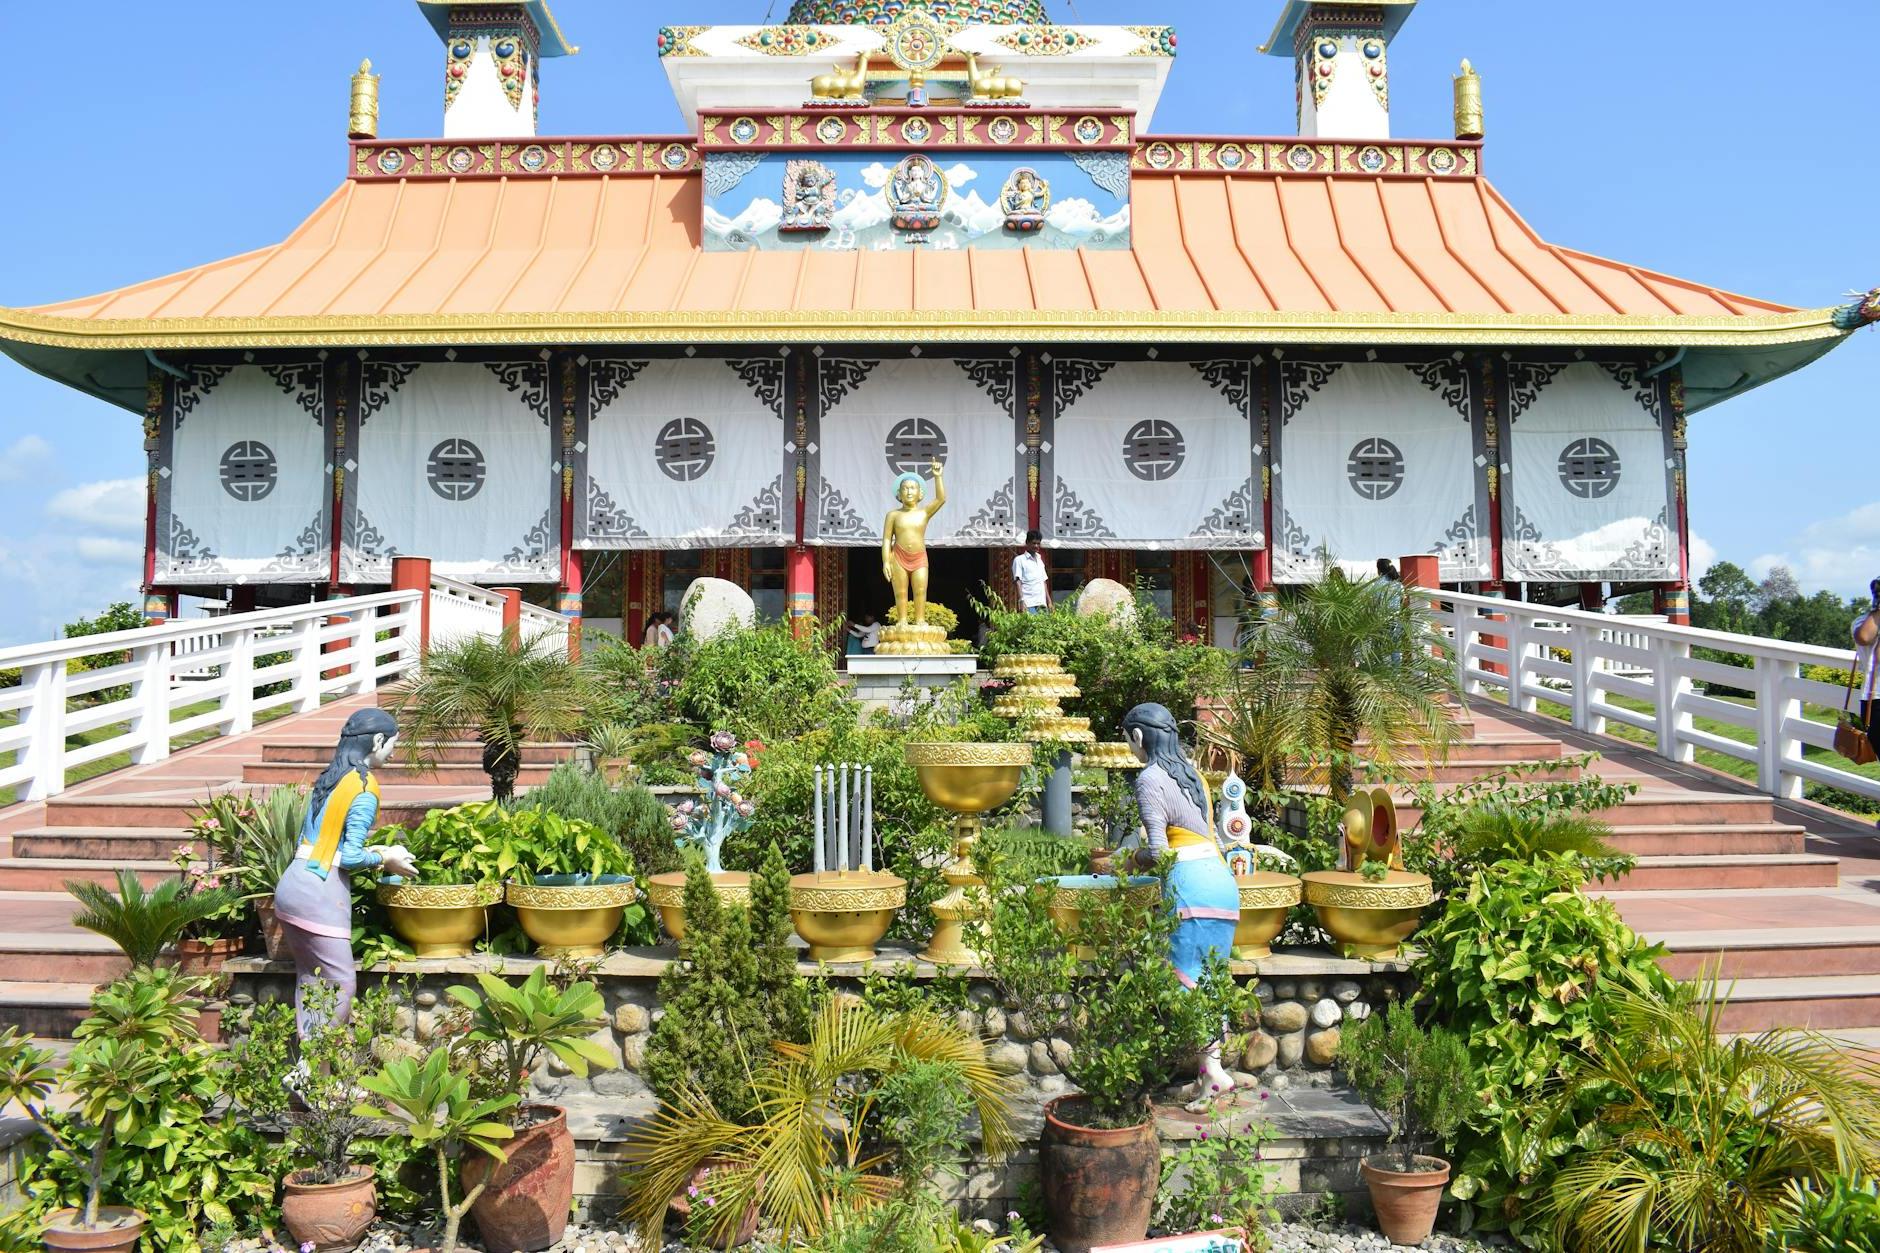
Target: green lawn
117, 761
1833, 797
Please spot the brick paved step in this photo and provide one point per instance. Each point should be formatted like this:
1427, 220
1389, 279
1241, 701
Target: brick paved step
61, 957
442, 775
1766, 870
1466, 768
49, 874
1503, 749
401, 804
111, 844
1820, 1002
1682, 840
1784, 953
48, 1010
455, 752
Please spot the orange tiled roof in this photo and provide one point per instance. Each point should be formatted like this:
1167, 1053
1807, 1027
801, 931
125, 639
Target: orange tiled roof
1279, 258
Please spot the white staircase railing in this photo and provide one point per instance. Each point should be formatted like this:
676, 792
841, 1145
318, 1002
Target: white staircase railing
1641, 673
461, 610
544, 624
124, 683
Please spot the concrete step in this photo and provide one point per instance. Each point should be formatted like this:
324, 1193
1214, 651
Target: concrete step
1785, 953
1726, 871
61, 957
1502, 749
48, 1010
1821, 1002
49, 874
442, 775
400, 804
109, 844
1687, 841
1467, 768
1649, 809
454, 752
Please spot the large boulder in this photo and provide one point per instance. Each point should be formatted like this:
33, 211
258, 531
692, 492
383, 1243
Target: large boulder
712, 607
1106, 598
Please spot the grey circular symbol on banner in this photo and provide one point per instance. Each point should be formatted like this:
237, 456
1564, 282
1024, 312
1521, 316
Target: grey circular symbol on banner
1589, 468
1375, 468
1154, 449
249, 470
456, 469
914, 445
684, 449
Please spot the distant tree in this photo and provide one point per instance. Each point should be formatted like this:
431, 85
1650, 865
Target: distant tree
1778, 589
116, 617
1726, 595
1822, 619
1635, 603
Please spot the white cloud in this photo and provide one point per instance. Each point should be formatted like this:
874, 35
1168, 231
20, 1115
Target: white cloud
1840, 553
1703, 555
114, 504
110, 552
19, 458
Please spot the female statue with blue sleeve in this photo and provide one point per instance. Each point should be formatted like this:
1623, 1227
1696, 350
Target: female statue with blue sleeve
1200, 890
313, 899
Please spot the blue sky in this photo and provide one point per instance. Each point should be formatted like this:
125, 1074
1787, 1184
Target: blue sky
1721, 140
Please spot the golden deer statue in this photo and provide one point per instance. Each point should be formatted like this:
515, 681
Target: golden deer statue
993, 86
841, 85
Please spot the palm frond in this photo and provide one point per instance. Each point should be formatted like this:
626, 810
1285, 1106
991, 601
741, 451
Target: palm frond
143, 923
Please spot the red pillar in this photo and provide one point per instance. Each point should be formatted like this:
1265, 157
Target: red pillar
568, 600
1592, 597
1420, 571
241, 598
799, 587
413, 574
512, 612
1674, 603
159, 606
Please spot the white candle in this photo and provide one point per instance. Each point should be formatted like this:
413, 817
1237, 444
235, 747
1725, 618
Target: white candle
842, 827
819, 820
868, 818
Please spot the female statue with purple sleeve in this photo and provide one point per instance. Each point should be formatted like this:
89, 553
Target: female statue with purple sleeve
1200, 889
313, 900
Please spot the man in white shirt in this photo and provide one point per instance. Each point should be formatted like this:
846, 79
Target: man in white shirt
1032, 576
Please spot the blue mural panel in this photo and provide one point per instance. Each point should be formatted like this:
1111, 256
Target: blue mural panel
850, 200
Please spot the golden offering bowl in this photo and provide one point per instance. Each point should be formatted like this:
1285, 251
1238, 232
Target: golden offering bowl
843, 914
570, 920
1367, 919
1266, 897
1071, 893
439, 919
968, 779
666, 893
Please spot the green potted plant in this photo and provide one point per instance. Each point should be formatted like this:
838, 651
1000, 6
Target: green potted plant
105, 1076
1423, 1085
447, 912
144, 923
522, 1200
1131, 1026
434, 1104
255, 842
612, 746
498, 691
568, 881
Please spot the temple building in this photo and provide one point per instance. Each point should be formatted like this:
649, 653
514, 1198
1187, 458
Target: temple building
897, 230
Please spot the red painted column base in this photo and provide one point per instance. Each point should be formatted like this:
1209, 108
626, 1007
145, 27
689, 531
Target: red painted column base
799, 588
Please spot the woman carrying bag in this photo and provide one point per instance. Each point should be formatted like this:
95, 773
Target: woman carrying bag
1858, 744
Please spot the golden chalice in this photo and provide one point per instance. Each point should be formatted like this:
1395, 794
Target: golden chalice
970, 780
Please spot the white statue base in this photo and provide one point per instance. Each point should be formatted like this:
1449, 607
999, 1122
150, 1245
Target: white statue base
878, 677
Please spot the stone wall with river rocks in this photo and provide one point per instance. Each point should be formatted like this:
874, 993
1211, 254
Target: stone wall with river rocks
1306, 998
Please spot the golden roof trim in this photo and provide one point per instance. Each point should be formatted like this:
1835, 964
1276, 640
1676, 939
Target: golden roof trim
1028, 325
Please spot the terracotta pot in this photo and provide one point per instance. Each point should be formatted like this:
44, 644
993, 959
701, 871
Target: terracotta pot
209, 1023
525, 1207
117, 1230
329, 1215
273, 938
682, 1206
1405, 1201
205, 957
1099, 1184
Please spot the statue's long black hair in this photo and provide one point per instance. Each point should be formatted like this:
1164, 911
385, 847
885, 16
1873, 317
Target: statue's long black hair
1162, 740
355, 745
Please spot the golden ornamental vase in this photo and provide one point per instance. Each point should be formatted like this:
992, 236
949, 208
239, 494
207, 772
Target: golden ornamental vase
969, 779
439, 919
1266, 897
1071, 894
570, 919
1367, 919
666, 893
842, 914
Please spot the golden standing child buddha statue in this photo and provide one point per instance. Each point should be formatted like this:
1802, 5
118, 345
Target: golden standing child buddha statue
904, 565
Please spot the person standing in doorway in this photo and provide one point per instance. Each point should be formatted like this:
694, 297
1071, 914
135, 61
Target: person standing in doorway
1032, 576
663, 636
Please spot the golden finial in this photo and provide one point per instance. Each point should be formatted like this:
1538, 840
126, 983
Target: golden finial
1468, 103
364, 122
